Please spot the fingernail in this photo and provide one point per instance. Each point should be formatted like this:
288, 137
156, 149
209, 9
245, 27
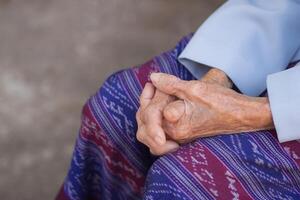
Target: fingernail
175, 147
147, 85
154, 77
174, 111
159, 140
174, 114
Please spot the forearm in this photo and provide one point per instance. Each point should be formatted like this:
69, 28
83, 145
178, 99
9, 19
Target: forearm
255, 112
252, 24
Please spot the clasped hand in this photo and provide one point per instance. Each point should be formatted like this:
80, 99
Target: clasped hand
173, 111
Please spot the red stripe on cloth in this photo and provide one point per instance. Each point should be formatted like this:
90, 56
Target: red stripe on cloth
116, 163
227, 183
211, 172
292, 148
61, 195
144, 71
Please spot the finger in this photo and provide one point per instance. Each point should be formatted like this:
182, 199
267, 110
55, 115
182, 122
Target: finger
176, 131
169, 84
155, 148
140, 135
174, 111
144, 138
152, 117
147, 95
153, 125
140, 126
162, 99
169, 146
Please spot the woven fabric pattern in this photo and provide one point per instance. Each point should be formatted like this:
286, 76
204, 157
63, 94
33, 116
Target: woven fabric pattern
109, 163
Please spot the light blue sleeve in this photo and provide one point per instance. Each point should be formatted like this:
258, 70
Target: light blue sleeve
251, 40
248, 40
284, 97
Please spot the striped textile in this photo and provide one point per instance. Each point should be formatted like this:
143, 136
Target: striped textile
109, 163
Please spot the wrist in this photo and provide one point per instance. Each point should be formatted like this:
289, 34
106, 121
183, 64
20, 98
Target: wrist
216, 76
258, 114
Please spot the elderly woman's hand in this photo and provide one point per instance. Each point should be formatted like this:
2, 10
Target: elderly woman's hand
149, 118
208, 108
150, 114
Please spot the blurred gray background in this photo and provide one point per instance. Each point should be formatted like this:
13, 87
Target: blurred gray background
54, 54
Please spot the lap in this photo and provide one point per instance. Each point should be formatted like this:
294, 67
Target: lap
117, 101
240, 166
106, 147
252, 165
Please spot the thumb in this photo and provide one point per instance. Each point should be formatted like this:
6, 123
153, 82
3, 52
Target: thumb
174, 111
169, 84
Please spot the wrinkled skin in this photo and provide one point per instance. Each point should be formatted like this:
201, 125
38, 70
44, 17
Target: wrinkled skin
181, 111
210, 109
150, 119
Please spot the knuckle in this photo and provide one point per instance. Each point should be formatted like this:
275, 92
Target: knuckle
171, 83
139, 136
160, 98
149, 109
138, 114
150, 113
197, 87
139, 117
144, 114
149, 130
172, 112
179, 135
173, 80
145, 117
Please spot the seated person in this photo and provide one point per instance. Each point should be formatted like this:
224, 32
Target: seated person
200, 128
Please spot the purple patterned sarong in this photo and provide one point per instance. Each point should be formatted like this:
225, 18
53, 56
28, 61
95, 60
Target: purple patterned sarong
109, 163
